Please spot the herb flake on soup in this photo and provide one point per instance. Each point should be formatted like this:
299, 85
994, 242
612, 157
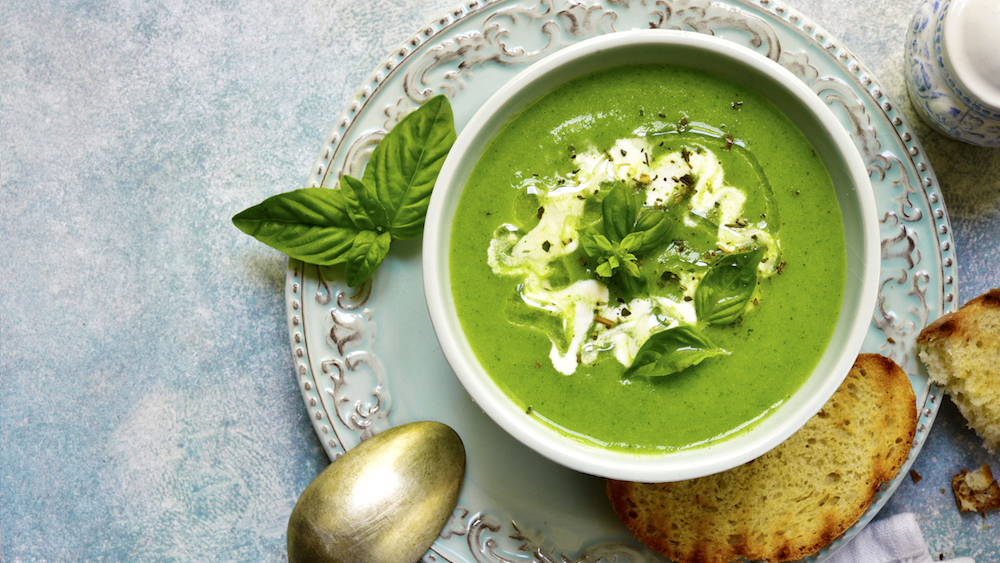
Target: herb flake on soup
648, 258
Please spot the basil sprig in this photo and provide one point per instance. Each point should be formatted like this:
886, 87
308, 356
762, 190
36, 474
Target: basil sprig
355, 224
719, 299
615, 255
629, 234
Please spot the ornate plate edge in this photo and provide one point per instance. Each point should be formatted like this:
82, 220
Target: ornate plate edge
930, 400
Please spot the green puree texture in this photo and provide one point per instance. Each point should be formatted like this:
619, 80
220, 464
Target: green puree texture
775, 346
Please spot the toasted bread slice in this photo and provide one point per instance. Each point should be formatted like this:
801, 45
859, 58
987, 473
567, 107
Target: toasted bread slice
961, 352
795, 499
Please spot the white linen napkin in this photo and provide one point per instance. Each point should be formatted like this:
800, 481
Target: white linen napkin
896, 539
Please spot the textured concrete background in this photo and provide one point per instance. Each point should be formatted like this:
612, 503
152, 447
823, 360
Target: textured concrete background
148, 406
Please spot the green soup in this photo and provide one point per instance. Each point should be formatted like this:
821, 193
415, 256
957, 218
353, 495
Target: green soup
731, 171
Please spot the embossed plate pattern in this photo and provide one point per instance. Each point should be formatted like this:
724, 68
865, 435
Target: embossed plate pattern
367, 359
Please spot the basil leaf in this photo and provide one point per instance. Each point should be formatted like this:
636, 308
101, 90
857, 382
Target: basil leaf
365, 255
406, 162
588, 243
633, 284
671, 351
363, 205
594, 244
630, 267
619, 210
607, 268
631, 242
310, 224
726, 289
656, 228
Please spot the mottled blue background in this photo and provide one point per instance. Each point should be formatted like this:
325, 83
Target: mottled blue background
148, 409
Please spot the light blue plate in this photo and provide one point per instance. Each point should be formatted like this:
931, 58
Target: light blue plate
368, 360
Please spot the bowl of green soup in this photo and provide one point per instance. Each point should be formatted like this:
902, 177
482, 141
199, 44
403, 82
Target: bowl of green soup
652, 256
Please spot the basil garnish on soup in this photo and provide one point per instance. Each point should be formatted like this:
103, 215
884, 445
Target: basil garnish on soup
646, 263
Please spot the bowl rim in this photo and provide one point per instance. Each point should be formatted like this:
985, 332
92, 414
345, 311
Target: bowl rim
557, 446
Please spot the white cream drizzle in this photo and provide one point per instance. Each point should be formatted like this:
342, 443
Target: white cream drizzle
526, 256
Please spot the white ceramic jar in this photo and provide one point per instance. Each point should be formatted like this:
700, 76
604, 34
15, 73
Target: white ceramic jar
954, 68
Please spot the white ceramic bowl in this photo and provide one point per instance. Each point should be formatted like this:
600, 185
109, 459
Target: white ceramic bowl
803, 107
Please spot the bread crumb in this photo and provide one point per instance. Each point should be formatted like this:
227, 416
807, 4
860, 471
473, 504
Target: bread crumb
916, 477
976, 491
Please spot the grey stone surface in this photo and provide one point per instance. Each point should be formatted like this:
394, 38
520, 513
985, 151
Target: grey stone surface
147, 408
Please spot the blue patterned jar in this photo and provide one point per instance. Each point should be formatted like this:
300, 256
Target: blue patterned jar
954, 68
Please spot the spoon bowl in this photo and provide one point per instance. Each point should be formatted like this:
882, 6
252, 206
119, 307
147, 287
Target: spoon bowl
385, 500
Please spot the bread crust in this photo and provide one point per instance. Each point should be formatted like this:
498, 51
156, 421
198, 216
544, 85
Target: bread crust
961, 351
960, 324
795, 499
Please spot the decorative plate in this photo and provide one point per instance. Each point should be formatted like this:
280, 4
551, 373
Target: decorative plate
368, 359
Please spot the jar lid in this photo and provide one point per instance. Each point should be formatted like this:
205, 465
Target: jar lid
971, 38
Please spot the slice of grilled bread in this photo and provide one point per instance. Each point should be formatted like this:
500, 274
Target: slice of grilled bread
795, 499
961, 352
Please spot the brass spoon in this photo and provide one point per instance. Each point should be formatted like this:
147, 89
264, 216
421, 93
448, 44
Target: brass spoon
385, 500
